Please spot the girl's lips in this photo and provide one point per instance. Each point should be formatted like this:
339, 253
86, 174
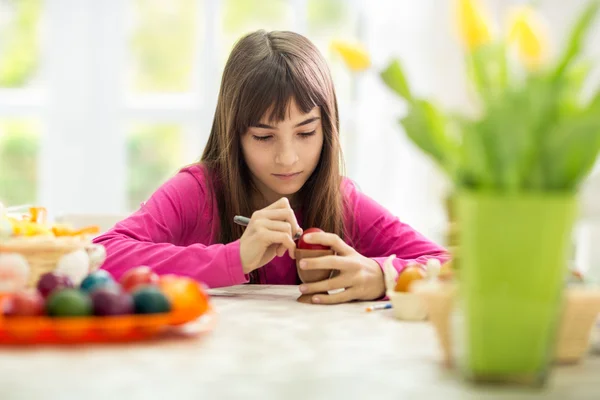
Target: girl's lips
286, 176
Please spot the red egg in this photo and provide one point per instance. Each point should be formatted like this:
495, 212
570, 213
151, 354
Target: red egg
138, 276
310, 246
24, 303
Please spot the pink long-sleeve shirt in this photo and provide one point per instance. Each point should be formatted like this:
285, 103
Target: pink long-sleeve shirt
176, 230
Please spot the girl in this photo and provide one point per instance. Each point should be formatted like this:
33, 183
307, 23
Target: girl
273, 154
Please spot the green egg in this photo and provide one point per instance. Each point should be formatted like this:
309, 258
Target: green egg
150, 300
68, 303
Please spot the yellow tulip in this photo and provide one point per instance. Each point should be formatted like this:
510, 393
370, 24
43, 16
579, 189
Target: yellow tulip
530, 35
354, 55
474, 26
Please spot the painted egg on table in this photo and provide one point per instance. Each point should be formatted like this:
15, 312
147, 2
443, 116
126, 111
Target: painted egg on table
25, 303
96, 280
75, 264
110, 300
150, 300
184, 293
68, 303
14, 272
410, 274
138, 276
52, 281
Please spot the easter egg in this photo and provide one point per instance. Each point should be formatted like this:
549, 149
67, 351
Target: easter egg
150, 300
96, 280
75, 265
14, 272
184, 293
111, 301
68, 303
138, 276
310, 246
408, 276
25, 303
52, 281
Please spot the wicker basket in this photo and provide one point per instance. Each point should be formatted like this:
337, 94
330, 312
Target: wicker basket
579, 316
581, 308
74, 256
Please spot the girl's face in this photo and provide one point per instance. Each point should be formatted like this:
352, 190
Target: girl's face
282, 156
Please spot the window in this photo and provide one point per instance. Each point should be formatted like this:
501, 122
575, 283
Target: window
19, 149
97, 128
162, 43
163, 40
240, 17
154, 153
19, 130
19, 42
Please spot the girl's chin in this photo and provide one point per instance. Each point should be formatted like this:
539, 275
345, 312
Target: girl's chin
286, 189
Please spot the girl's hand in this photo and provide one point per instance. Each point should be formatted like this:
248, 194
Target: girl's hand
361, 277
269, 234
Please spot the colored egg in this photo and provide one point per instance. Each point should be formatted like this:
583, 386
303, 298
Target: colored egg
14, 272
110, 301
150, 300
410, 274
96, 280
311, 246
138, 276
184, 293
75, 264
52, 281
68, 303
24, 303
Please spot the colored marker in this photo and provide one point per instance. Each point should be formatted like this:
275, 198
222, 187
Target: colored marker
379, 307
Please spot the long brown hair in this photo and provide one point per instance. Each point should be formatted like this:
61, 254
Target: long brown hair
264, 72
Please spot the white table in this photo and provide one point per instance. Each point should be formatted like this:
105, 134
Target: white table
267, 346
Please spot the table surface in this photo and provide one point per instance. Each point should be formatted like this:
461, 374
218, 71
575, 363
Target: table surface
265, 345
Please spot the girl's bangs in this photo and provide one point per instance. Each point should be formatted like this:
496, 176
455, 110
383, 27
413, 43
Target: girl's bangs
270, 89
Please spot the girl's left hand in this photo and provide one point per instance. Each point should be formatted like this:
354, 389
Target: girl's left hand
361, 277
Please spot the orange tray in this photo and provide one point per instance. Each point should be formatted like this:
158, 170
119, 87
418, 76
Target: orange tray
125, 328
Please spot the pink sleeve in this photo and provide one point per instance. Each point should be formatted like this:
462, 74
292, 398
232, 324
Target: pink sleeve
166, 233
377, 234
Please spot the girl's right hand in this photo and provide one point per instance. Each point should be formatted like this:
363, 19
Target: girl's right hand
270, 233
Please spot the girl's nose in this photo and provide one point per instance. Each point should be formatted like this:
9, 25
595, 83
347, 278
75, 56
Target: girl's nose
286, 155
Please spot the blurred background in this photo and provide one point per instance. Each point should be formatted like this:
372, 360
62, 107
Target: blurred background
102, 101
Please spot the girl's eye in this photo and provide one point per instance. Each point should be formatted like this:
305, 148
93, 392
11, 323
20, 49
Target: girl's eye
307, 134
262, 138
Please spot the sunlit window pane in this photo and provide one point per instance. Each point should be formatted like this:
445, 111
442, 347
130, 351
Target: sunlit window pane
19, 42
241, 17
19, 155
155, 152
163, 40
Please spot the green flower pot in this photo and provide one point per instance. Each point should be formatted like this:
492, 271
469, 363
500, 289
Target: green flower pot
513, 261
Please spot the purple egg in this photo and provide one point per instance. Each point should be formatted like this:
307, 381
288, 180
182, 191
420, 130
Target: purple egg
111, 301
51, 281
